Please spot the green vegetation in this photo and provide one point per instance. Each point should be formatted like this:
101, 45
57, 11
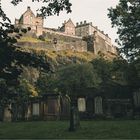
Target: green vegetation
89, 130
29, 39
126, 17
11, 59
62, 57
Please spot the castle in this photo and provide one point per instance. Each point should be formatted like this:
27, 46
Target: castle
82, 37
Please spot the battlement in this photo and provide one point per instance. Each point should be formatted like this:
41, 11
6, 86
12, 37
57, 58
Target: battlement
84, 23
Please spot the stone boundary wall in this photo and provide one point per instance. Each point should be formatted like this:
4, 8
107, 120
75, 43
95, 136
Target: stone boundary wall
77, 46
100, 45
64, 41
45, 30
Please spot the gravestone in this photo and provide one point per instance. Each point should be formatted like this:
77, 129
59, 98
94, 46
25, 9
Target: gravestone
36, 109
81, 104
98, 105
7, 114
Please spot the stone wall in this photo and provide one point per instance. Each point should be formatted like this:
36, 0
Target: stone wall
63, 42
100, 45
66, 42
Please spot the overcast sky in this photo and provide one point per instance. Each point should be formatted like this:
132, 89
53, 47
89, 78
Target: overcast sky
94, 11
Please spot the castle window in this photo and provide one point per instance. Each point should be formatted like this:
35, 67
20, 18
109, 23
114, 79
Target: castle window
98, 105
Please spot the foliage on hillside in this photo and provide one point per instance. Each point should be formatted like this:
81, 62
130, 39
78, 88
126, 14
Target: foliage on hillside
29, 39
60, 58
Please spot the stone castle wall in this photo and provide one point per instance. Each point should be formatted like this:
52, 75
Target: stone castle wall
64, 42
101, 41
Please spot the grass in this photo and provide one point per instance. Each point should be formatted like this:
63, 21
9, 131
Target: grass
54, 55
29, 39
128, 129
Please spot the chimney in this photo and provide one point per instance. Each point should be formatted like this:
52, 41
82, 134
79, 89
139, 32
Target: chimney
85, 21
96, 27
77, 24
102, 32
28, 8
107, 35
81, 23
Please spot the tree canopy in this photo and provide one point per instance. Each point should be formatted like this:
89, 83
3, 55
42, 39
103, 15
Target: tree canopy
12, 60
126, 17
75, 76
10, 57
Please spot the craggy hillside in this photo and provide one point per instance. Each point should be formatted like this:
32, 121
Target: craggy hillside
56, 58
59, 58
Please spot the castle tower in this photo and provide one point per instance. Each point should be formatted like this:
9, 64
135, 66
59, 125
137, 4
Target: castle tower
68, 27
28, 19
101, 41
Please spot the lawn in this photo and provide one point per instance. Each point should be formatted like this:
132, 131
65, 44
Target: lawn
127, 129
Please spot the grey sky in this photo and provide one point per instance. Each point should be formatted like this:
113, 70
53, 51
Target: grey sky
91, 10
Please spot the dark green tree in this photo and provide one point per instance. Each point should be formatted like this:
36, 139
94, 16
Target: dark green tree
71, 78
126, 17
8, 51
103, 69
12, 59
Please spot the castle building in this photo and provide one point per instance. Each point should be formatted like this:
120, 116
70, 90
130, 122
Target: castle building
99, 41
102, 42
68, 27
28, 19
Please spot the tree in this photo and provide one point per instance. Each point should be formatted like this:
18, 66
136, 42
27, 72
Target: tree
71, 78
12, 59
103, 69
126, 17
8, 51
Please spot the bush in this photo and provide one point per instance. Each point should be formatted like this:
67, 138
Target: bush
41, 37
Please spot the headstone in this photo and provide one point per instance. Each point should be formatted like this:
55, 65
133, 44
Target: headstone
81, 104
7, 114
36, 109
1, 113
98, 105
136, 97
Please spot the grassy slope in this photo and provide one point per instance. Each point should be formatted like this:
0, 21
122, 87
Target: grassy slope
62, 57
29, 39
59, 129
